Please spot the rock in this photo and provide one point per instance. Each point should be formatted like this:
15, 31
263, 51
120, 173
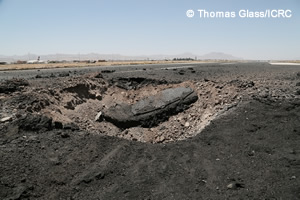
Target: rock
181, 72
13, 85
152, 110
134, 83
230, 186
58, 125
98, 75
71, 126
65, 135
34, 122
5, 119
298, 84
242, 83
99, 97
64, 74
160, 139
264, 94
107, 71
20, 192
235, 186
187, 124
98, 116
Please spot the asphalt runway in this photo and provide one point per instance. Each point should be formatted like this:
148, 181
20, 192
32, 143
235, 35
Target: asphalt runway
129, 69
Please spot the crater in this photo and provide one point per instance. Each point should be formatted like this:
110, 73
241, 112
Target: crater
137, 108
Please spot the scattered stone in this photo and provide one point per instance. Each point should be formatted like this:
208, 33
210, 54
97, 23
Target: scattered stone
264, 94
65, 135
34, 122
71, 126
181, 72
20, 192
107, 71
242, 84
251, 153
89, 176
235, 186
98, 116
160, 139
135, 82
99, 75
13, 85
64, 74
152, 110
5, 119
99, 97
187, 124
58, 125
52, 75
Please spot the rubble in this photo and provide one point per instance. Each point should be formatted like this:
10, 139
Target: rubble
5, 119
13, 85
152, 110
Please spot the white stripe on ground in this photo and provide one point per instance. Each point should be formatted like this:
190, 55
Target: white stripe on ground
182, 67
227, 63
285, 63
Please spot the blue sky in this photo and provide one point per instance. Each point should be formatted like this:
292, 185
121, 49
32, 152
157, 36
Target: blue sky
140, 27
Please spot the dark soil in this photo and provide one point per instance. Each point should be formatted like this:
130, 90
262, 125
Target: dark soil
134, 83
249, 152
12, 85
245, 148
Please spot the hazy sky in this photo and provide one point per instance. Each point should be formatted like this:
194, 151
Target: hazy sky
140, 27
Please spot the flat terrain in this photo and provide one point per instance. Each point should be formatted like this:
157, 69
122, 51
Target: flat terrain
239, 140
92, 64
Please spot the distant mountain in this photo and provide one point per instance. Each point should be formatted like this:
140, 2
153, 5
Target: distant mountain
95, 56
219, 56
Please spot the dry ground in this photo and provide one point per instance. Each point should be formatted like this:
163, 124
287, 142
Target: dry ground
240, 140
109, 63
